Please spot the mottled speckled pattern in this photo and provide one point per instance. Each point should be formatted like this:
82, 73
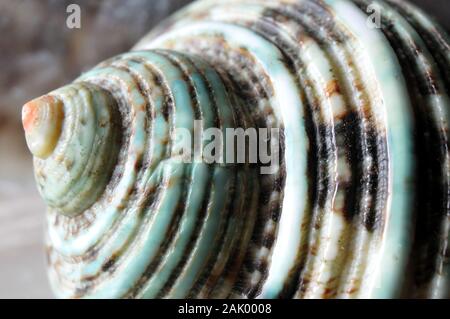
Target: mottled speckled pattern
365, 158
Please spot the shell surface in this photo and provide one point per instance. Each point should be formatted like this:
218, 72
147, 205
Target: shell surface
357, 206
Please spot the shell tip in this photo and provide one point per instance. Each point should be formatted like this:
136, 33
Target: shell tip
42, 121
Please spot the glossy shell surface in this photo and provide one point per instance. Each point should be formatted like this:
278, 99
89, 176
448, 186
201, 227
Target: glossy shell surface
358, 206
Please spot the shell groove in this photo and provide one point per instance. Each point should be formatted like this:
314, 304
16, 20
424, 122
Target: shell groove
357, 207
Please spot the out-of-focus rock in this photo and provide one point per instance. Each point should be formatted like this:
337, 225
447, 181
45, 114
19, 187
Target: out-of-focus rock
39, 52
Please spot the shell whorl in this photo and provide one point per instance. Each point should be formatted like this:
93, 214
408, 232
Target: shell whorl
77, 165
157, 213
357, 207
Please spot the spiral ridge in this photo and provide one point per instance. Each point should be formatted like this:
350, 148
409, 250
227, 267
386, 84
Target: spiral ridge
357, 207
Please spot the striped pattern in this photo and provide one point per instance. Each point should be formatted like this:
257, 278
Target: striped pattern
359, 206
176, 225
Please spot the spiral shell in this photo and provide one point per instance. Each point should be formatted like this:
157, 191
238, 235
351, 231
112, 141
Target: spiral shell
357, 207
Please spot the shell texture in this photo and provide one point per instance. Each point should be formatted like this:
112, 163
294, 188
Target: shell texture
357, 207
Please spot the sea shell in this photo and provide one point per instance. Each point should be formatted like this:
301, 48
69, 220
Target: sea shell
358, 206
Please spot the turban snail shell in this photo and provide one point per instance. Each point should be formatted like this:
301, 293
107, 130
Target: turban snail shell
357, 207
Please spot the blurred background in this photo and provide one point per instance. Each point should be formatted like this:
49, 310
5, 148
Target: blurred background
38, 53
